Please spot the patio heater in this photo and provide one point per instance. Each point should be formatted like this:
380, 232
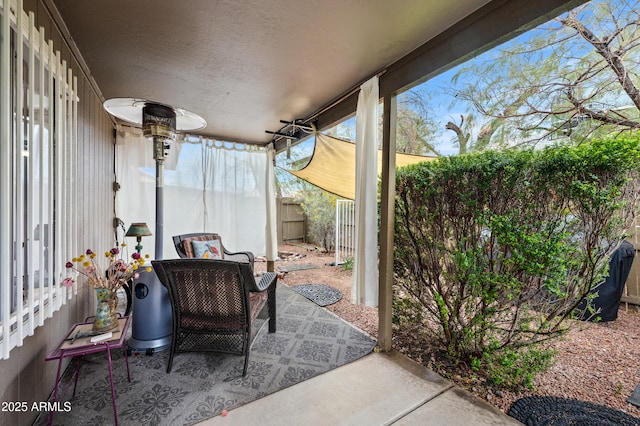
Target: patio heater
152, 324
159, 125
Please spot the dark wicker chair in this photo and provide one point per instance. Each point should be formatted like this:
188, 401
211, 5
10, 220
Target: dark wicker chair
214, 303
184, 249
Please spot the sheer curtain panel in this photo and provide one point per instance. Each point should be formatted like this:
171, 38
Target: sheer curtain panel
209, 186
365, 271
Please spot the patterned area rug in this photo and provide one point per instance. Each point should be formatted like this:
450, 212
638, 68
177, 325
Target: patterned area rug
320, 294
309, 341
550, 410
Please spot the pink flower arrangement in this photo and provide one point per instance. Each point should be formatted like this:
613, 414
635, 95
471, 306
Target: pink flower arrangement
113, 277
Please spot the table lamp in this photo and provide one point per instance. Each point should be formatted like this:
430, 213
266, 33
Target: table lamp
138, 230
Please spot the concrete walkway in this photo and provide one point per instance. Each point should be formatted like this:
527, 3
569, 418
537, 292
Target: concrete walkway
378, 389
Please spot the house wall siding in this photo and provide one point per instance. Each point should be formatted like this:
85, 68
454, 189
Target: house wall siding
25, 376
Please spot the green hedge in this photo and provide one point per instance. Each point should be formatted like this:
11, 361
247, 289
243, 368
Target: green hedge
497, 249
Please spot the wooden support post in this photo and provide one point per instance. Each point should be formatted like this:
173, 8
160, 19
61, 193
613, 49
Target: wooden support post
387, 199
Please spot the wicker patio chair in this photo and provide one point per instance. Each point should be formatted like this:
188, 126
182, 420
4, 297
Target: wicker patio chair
185, 249
214, 303
183, 244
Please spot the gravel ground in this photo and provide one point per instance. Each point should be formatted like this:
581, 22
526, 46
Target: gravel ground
365, 318
599, 363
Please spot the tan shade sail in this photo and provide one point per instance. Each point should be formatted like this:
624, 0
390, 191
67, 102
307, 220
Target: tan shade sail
333, 165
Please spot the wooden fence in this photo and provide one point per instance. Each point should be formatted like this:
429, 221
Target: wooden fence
292, 222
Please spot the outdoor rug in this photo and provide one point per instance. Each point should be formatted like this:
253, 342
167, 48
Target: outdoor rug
309, 341
320, 294
550, 410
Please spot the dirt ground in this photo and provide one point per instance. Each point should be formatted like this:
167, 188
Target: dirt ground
599, 363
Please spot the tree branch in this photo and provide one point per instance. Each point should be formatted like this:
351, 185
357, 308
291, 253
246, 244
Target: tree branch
605, 117
614, 61
462, 138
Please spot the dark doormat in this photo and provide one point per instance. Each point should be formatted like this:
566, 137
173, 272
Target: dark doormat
551, 410
320, 294
635, 397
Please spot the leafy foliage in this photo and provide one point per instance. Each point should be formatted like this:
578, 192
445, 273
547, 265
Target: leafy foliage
416, 127
348, 264
499, 248
320, 208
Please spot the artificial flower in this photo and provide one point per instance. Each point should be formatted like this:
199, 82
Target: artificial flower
117, 273
68, 282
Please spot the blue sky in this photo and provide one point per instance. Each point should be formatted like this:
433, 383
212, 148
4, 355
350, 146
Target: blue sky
443, 105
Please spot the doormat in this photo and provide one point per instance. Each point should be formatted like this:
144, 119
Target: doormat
635, 397
320, 294
296, 267
550, 410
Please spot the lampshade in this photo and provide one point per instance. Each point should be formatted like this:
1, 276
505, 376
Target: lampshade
138, 230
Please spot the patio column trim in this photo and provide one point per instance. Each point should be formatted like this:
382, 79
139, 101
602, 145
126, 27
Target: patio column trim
387, 213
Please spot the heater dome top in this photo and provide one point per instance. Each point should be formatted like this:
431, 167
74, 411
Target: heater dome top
131, 111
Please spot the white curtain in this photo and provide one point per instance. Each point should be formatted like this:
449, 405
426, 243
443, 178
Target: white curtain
209, 186
365, 277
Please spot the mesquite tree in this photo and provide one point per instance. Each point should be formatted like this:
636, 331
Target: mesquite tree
575, 77
497, 249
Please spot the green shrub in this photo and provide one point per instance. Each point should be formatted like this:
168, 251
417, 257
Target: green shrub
516, 369
498, 248
406, 310
348, 263
320, 208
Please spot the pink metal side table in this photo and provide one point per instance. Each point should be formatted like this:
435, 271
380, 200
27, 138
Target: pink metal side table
73, 346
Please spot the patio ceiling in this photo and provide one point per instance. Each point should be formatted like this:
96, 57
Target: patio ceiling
246, 65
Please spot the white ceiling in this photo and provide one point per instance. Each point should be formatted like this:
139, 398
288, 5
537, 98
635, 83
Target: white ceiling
246, 65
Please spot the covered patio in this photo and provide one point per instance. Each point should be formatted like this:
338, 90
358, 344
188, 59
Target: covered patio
260, 75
